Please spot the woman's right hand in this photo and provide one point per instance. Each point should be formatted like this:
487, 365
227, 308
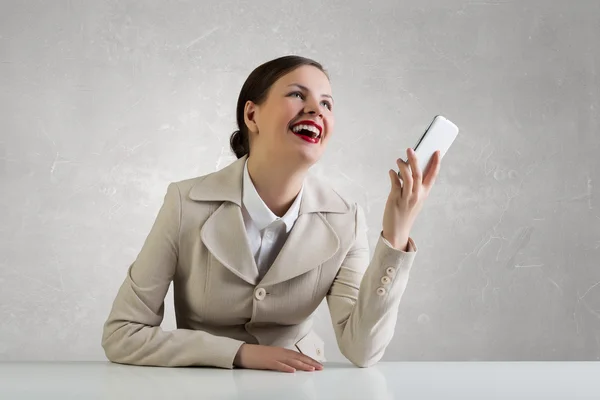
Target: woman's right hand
254, 356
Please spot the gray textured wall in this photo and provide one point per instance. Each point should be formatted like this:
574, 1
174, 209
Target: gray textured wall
103, 103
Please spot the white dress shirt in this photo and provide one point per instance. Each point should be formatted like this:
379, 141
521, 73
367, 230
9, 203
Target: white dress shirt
266, 231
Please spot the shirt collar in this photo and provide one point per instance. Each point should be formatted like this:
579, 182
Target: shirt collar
318, 196
261, 215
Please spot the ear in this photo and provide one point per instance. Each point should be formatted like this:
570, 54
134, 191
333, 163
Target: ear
250, 116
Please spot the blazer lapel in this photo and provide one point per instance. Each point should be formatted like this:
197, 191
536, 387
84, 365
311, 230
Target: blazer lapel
224, 235
224, 232
311, 242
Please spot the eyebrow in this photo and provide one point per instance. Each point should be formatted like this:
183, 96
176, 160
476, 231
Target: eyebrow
306, 89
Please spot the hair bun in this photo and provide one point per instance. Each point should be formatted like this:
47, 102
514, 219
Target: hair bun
237, 144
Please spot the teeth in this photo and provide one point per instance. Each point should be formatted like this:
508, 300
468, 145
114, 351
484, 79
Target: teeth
313, 129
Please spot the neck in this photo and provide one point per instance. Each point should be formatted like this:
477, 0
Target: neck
277, 183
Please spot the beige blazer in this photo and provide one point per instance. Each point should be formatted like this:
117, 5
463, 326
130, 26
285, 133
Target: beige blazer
199, 242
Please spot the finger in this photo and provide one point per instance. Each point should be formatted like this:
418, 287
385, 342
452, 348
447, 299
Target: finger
406, 176
403, 169
416, 171
299, 365
283, 367
396, 181
311, 361
432, 170
304, 358
430, 164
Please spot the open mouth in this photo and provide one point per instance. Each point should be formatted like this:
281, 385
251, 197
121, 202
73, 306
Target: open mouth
308, 132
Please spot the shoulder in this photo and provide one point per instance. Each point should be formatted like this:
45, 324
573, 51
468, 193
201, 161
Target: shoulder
338, 208
329, 190
185, 185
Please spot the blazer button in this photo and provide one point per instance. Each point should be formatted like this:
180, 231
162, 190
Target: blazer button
390, 271
260, 293
386, 280
380, 291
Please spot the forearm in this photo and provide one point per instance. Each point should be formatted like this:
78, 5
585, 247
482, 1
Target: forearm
365, 319
132, 335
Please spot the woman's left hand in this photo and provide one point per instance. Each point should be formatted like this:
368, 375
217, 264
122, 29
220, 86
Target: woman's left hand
406, 197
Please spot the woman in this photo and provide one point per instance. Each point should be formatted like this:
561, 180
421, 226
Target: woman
254, 248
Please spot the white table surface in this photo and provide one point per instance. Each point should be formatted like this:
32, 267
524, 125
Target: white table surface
417, 380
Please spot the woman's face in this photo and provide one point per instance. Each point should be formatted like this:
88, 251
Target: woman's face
302, 96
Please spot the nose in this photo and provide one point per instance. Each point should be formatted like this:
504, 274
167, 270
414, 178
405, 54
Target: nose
312, 107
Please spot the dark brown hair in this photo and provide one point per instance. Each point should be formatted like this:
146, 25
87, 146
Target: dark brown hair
256, 88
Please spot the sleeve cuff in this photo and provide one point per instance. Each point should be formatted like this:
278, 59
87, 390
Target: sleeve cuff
388, 256
412, 247
230, 353
218, 351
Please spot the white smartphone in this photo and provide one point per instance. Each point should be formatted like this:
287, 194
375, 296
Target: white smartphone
438, 136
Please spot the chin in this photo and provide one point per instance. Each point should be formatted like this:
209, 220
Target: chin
306, 154
309, 157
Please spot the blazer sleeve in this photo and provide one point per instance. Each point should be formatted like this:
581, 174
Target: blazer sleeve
365, 295
132, 332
